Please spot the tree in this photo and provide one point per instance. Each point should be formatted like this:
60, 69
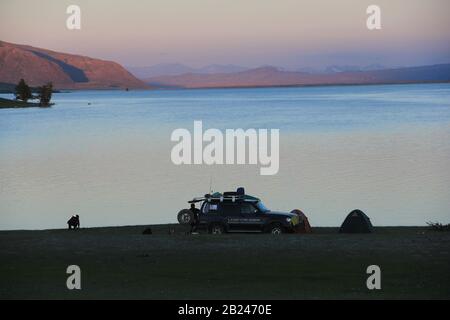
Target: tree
23, 91
45, 94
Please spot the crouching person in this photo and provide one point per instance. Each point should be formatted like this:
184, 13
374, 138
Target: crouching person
74, 222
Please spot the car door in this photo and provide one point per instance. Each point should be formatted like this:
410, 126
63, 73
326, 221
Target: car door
209, 214
251, 220
231, 214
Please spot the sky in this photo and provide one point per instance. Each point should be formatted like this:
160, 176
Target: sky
285, 33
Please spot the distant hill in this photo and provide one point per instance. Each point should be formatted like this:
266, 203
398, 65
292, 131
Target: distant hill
271, 76
160, 70
221, 68
173, 69
7, 87
340, 68
67, 71
337, 68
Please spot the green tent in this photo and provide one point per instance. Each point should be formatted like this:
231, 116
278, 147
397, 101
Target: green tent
356, 222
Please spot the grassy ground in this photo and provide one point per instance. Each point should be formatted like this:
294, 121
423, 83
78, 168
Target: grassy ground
121, 262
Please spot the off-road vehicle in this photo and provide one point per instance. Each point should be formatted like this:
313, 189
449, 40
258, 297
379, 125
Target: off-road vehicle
237, 212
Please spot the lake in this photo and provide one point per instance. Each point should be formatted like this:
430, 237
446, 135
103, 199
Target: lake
384, 149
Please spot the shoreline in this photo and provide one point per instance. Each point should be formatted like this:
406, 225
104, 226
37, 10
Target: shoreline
295, 85
163, 88
14, 104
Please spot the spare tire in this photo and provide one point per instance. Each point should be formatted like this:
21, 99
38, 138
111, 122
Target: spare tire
185, 216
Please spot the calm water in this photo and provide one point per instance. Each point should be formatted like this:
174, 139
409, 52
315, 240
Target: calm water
383, 149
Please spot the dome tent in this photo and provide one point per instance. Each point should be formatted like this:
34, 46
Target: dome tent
356, 222
303, 226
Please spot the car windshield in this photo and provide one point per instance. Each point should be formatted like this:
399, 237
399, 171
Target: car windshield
261, 207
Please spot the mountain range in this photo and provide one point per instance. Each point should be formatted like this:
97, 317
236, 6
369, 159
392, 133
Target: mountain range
66, 71
272, 76
172, 69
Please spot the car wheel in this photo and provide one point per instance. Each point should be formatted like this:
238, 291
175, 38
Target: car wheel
276, 229
185, 216
216, 229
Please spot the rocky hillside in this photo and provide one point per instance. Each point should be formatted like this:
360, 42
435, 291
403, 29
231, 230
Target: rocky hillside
67, 71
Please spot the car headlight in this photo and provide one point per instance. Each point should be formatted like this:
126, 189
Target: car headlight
288, 220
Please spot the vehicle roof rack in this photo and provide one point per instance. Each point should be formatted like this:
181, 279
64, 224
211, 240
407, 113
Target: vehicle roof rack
220, 198
238, 195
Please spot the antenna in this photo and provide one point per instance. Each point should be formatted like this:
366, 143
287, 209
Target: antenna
210, 184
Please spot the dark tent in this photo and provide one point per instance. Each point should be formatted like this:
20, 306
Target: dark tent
356, 222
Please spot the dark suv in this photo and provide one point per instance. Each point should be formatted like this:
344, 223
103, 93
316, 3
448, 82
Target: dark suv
237, 212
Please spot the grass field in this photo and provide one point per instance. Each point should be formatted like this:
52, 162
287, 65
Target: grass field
122, 263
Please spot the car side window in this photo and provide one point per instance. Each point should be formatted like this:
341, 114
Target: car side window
229, 209
247, 209
210, 208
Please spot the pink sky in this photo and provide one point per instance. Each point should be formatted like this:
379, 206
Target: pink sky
286, 33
